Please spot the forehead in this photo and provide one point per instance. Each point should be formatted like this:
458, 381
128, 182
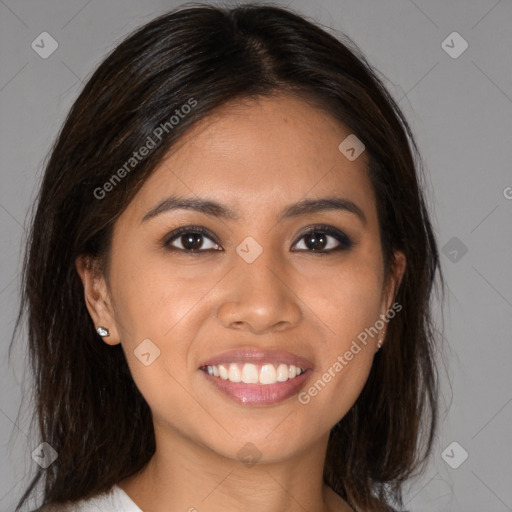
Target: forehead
259, 154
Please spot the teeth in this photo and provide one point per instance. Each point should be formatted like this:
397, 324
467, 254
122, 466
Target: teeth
267, 374
224, 374
252, 374
282, 373
249, 374
234, 374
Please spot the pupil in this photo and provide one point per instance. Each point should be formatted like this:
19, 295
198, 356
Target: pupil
192, 241
314, 239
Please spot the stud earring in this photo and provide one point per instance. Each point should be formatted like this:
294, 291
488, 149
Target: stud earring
103, 332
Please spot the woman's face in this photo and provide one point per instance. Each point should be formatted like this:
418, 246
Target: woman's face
255, 297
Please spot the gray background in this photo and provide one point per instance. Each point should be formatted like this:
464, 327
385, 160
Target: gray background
460, 110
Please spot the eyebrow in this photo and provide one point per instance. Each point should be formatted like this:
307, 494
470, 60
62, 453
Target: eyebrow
215, 209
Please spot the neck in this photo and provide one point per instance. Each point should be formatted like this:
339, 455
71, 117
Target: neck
183, 475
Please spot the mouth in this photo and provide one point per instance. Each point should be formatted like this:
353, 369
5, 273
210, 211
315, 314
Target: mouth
249, 373
257, 377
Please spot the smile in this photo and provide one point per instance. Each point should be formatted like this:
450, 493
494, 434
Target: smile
248, 373
255, 377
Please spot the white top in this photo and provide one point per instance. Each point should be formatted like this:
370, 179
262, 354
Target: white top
115, 500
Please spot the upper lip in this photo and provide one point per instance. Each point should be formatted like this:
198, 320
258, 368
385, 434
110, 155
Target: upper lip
258, 356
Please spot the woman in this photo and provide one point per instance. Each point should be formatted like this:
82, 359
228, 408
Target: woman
228, 278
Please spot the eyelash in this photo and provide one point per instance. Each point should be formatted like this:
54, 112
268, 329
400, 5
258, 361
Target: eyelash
345, 242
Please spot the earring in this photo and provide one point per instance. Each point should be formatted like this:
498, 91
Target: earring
103, 331
379, 344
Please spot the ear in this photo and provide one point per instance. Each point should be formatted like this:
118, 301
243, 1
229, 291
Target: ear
97, 297
394, 279
393, 283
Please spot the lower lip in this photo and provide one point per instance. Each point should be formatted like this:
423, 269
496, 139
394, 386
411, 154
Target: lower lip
259, 394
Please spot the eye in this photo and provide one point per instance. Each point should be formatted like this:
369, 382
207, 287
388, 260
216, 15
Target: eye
320, 239
191, 239
324, 239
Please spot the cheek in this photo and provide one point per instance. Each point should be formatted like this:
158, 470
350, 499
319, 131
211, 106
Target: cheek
153, 298
349, 303
347, 298
151, 312
156, 316
332, 393
347, 355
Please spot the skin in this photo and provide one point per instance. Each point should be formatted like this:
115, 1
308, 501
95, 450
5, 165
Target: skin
256, 157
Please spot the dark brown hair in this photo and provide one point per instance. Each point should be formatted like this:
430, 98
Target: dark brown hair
83, 388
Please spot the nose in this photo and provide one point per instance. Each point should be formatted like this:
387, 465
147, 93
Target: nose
259, 297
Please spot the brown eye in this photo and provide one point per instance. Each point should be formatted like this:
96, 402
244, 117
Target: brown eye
191, 239
324, 239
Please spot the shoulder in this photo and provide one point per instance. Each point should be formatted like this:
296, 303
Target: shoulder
77, 506
53, 507
114, 500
